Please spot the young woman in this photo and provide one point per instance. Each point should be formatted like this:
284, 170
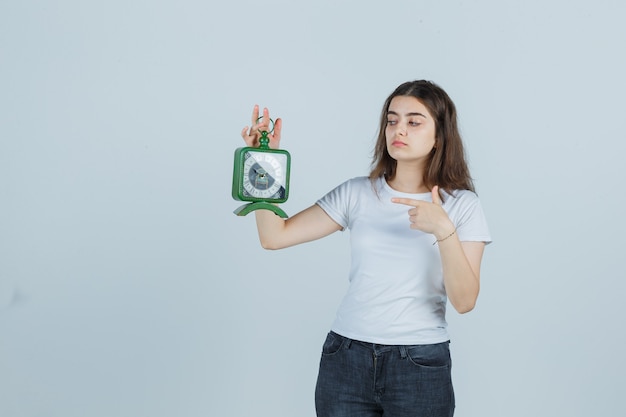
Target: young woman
417, 239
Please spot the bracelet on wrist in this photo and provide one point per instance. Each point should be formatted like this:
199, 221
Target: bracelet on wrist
441, 240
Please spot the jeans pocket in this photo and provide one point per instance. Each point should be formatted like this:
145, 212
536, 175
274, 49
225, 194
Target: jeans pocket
433, 357
332, 344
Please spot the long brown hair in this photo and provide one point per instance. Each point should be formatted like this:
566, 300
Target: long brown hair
446, 165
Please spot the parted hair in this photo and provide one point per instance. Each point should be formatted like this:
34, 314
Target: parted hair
446, 165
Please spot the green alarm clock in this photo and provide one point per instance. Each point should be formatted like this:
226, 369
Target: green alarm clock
261, 177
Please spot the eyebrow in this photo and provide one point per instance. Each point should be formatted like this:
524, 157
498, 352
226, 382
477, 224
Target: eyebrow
408, 114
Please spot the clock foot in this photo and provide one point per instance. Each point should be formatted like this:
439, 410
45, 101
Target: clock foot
247, 208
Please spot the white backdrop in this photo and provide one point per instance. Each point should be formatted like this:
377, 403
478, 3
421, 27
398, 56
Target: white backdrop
128, 287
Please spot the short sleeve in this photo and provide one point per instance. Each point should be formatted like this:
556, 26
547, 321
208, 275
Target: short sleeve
336, 204
468, 216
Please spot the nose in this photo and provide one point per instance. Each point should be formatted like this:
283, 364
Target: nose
401, 130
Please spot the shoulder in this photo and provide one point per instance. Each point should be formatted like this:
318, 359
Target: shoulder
348, 192
358, 181
356, 184
463, 205
341, 202
460, 197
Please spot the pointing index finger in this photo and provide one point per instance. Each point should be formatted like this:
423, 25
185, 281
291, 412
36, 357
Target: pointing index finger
405, 201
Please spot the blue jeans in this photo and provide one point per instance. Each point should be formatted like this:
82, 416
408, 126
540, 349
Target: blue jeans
358, 379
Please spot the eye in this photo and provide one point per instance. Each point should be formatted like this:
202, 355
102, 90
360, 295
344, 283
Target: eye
414, 123
391, 122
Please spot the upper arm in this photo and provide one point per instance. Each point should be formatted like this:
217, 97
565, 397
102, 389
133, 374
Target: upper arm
310, 224
474, 254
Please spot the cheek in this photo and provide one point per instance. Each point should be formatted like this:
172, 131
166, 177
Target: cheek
431, 138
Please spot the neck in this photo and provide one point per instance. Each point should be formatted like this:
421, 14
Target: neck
408, 179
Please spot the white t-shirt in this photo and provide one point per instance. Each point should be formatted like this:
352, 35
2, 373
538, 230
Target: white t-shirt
396, 294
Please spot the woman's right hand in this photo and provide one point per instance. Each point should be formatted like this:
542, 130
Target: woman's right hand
252, 134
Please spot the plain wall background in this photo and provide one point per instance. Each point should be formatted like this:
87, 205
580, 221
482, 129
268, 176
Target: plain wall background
128, 287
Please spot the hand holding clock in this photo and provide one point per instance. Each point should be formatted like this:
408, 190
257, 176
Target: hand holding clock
261, 168
251, 135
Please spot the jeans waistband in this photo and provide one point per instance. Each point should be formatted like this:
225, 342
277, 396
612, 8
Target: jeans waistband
375, 347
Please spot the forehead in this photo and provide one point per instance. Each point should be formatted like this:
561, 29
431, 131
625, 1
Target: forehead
407, 104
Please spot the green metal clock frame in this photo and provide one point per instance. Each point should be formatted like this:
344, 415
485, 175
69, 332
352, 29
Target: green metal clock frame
268, 185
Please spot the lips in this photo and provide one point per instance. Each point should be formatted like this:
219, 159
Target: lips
398, 143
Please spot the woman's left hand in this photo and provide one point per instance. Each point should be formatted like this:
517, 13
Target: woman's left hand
428, 217
252, 134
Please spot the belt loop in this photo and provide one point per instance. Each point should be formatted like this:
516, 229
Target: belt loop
347, 342
402, 352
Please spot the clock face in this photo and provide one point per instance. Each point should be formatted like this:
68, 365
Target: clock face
264, 175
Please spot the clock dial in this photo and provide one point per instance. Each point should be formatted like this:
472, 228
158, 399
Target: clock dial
261, 175
264, 174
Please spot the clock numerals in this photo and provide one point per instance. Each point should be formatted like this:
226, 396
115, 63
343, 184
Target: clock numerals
264, 175
261, 175
280, 194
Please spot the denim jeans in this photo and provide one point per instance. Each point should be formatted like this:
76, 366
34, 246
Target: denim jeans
358, 379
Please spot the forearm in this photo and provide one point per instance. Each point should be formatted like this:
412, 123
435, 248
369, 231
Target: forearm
270, 226
310, 224
462, 282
